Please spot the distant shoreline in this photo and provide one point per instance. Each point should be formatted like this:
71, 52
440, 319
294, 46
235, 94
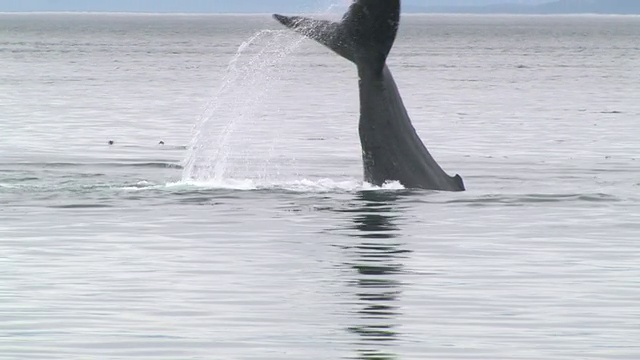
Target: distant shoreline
260, 7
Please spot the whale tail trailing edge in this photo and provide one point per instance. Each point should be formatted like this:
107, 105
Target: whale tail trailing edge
364, 36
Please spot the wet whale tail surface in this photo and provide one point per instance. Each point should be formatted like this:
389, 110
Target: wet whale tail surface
391, 148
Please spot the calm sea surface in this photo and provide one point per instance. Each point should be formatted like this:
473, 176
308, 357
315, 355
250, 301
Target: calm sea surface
250, 235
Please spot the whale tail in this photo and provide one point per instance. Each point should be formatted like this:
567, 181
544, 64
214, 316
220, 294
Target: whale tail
364, 36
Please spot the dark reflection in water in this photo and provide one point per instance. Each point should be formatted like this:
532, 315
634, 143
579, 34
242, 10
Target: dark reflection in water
377, 263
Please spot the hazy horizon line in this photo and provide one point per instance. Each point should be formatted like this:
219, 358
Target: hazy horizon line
99, 12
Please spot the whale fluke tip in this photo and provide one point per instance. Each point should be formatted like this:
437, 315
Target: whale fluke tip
287, 21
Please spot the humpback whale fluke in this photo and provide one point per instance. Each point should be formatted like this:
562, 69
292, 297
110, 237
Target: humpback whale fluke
391, 148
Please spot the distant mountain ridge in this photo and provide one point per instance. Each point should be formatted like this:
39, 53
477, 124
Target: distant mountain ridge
553, 7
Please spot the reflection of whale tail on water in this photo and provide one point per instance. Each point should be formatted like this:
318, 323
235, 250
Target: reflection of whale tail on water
391, 148
378, 262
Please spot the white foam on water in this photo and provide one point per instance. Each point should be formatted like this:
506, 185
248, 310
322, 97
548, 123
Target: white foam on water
299, 185
10, 186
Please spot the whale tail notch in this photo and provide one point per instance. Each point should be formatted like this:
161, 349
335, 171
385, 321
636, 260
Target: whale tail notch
364, 36
459, 183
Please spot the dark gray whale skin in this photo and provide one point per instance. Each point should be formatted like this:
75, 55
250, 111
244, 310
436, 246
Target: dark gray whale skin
391, 148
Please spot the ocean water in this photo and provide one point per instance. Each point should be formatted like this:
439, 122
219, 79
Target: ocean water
249, 233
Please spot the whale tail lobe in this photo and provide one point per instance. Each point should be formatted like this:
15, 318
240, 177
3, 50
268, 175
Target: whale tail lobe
364, 36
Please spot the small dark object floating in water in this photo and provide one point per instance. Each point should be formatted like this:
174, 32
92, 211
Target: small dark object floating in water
161, 142
111, 142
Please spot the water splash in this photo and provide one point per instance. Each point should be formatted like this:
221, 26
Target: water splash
241, 101
226, 143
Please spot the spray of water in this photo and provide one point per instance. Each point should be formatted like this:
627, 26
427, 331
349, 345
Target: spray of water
239, 103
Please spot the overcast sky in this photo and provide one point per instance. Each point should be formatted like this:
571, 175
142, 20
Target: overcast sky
210, 5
